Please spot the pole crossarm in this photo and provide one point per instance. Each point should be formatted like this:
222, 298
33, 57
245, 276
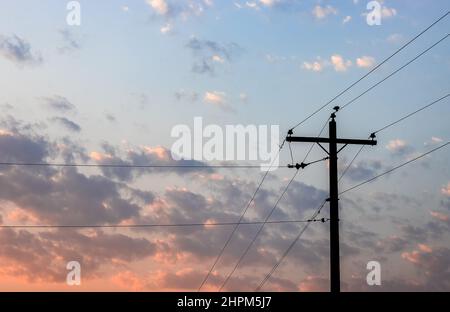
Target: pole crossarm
327, 140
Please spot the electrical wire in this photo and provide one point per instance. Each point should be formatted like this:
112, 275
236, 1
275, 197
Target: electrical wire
274, 268
372, 70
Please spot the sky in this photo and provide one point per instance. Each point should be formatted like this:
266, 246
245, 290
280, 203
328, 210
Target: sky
110, 90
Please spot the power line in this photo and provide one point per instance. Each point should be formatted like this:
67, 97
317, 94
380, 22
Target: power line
31, 226
390, 125
124, 166
259, 231
371, 71
393, 169
227, 242
351, 162
312, 145
347, 190
298, 166
358, 185
318, 110
304, 229
413, 113
395, 72
315, 214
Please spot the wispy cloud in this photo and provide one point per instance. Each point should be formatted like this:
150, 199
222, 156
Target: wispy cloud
67, 123
59, 103
210, 53
18, 50
321, 12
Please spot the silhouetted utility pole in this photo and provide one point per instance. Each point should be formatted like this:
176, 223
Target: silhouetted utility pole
333, 151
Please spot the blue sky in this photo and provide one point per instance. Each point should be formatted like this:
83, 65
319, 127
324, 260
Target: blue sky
135, 69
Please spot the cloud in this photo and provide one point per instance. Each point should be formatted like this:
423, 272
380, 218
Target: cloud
433, 141
190, 96
110, 117
365, 61
398, 147
15, 147
339, 63
217, 99
432, 264
315, 66
161, 7
346, 19
321, 12
391, 244
67, 123
259, 4
364, 170
208, 53
42, 256
18, 51
387, 12
218, 59
395, 38
243, 97
446, 190
314, 284
166, 29
59, 103
171, 11
141, 156
269, 3
174, 258
70, 41
439, 216
302, 197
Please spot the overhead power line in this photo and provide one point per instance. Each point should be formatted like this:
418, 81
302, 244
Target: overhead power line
371, 71
412, 113
274, 268
390, 125
227, 242
149, 166
393, 169
259, 231
155, 225
394, 72
347, 190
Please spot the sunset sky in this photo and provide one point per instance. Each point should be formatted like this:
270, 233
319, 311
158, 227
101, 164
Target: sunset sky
110, 90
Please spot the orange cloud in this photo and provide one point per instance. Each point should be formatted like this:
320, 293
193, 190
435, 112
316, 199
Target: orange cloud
446, 190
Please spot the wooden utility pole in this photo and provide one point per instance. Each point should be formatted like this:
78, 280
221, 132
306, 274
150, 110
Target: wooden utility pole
333, 141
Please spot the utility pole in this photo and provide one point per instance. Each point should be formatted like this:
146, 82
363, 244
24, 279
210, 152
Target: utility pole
332, 141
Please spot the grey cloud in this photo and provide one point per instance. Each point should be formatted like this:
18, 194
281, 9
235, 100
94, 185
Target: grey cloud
21, 148
67, 123
144, 158
205, 51
59, 103
110, 117
301, 197
70, 41
18, 51
364, 170
186, 95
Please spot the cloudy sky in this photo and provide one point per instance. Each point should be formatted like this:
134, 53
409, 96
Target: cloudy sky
110, 90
